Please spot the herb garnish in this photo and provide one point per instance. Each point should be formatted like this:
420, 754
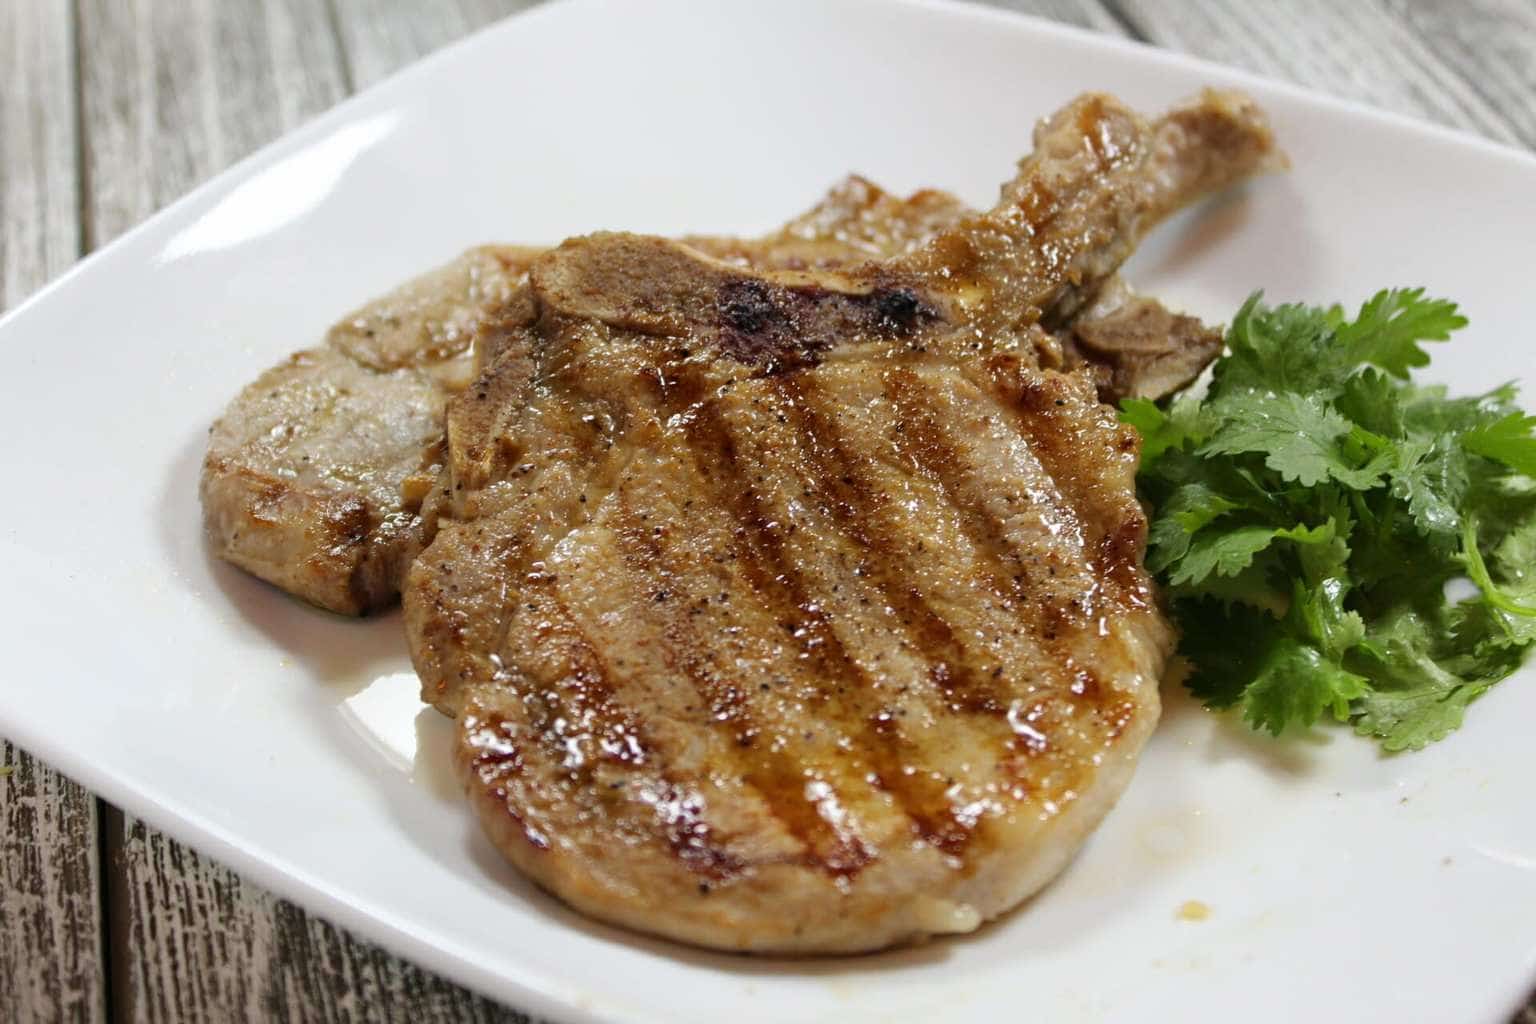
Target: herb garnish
1313, 505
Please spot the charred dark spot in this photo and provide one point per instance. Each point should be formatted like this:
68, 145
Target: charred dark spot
898, 308
782, 328
775, 328
746, 306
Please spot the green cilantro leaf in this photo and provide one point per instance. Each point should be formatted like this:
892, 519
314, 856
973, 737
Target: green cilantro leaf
1223, 552
1431, 477
1287, 348
1159, 429
1414, 699
1477, 569
1189, 509
1310, 509
1509, 440
1371, 399
1391, 326
1295, 684
1300, 435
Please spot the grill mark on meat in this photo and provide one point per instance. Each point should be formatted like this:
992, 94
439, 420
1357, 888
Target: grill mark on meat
1118, 559
772, 575
348, 524
678, 810
628, 321
778, 582
1116, 554
853, 505
590, 692
1045, 626
689, 834
589, 702
777, 777
924, 443
498, 759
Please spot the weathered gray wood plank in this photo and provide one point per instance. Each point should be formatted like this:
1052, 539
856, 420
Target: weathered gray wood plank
50, 904
1358, 50
39, 225
1491, 44
175, 92
50, 897
1082, 13
382, 36
205, 945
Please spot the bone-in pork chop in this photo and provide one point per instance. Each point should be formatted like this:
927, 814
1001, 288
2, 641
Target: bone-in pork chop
321, 476
804, 611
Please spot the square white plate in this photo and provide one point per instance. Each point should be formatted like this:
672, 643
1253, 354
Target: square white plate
288, 743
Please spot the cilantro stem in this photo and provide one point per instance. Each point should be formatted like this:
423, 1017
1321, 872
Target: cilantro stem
1478, 570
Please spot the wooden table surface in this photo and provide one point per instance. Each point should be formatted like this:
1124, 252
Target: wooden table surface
110, 109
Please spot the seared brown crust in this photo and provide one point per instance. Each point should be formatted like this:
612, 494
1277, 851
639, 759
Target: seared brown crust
804, 611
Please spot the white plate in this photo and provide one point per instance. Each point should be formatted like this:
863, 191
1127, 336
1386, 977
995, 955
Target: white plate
288, 743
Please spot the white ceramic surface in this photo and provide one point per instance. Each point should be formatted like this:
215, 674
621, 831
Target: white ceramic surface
288, 743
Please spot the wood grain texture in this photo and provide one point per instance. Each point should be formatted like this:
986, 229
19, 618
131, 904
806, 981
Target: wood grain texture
51, 966
382, 36
39, 200
174, 92
1492, 45
1082, 13
1358, 50
217, 948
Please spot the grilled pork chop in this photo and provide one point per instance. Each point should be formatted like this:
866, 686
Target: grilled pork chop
804, 611
320, 477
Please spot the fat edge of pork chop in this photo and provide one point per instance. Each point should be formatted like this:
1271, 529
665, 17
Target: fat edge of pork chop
804, 613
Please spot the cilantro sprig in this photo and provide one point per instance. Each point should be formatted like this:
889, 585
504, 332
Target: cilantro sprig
1311, 508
